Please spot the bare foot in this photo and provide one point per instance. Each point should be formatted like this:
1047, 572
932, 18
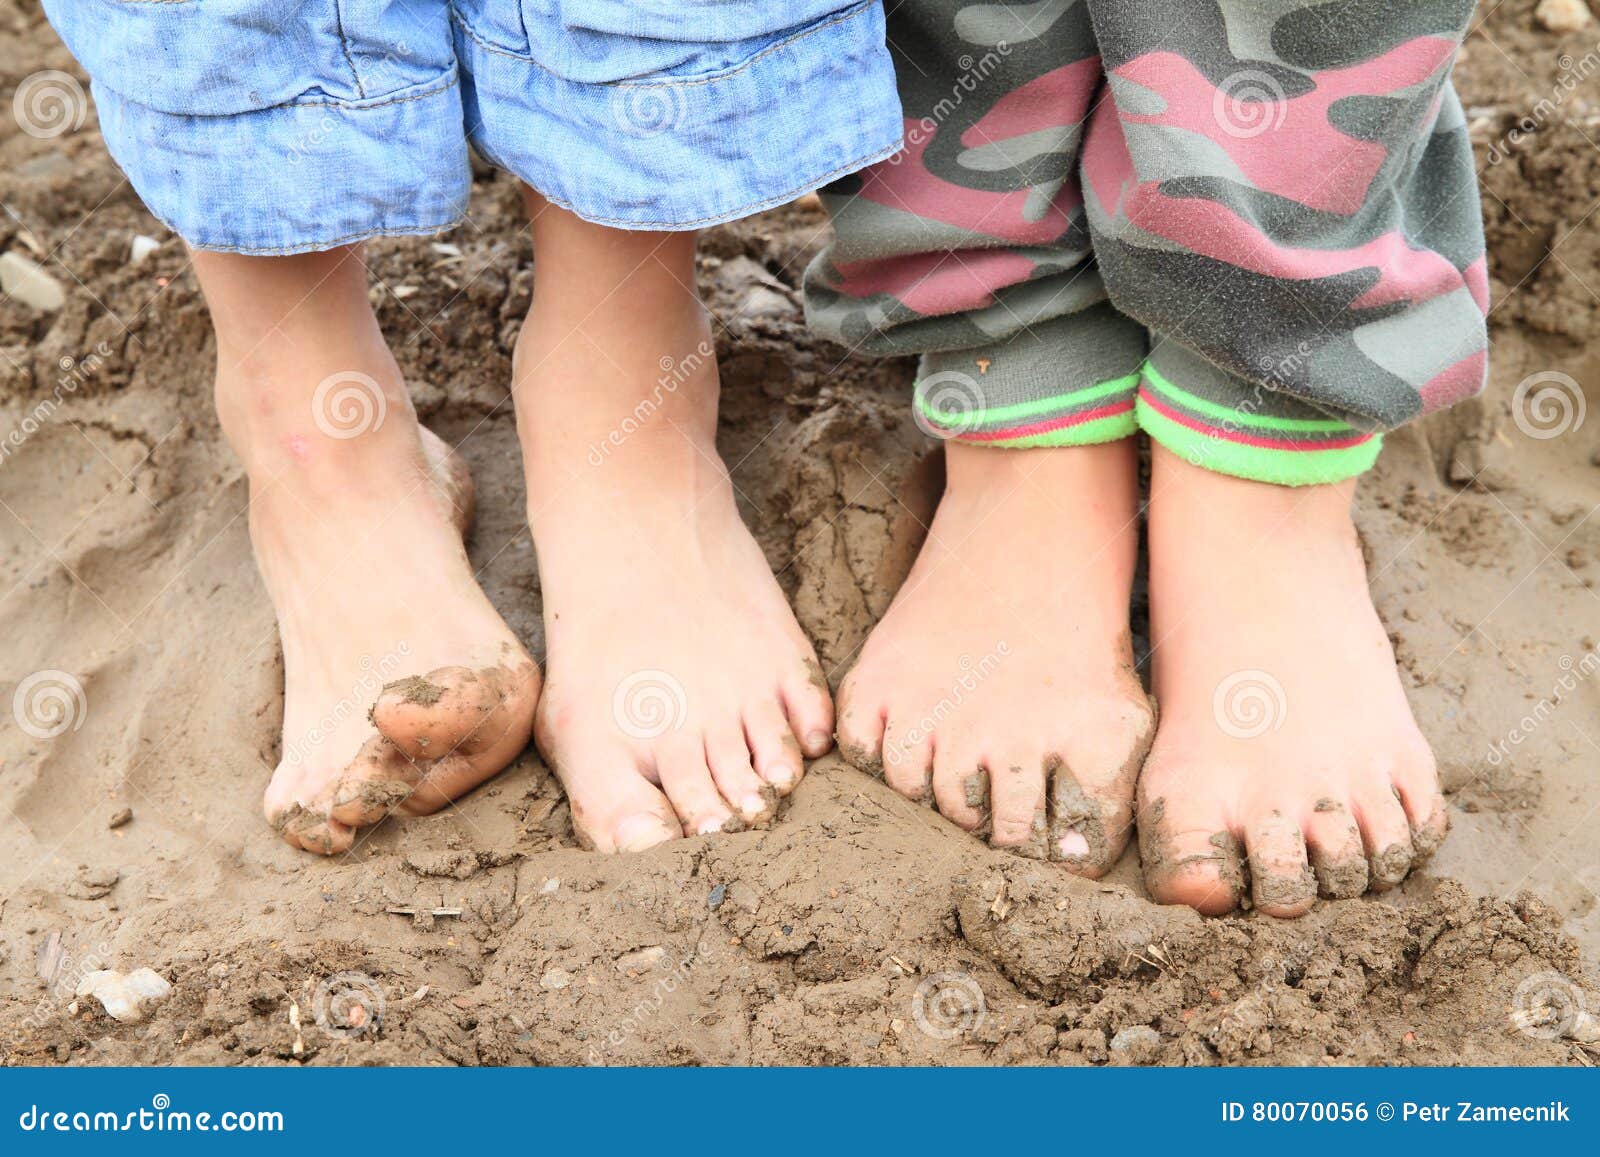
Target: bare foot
1000, 685
403, 687
1287, 760
682, 692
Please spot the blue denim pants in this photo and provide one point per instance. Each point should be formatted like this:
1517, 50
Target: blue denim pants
286, 126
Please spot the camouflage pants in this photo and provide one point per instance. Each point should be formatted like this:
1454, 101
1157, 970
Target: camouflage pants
1248, 227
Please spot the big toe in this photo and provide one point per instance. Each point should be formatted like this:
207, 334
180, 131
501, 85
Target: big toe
1189, 856
458, 710
614, 808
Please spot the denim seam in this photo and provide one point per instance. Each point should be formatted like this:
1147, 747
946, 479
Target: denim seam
861, 10
451, 81
731, 214
344, 47
312, 246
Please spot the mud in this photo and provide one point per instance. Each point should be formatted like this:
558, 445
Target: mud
860, 927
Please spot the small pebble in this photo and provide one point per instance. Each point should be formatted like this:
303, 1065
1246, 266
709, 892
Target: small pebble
555, 978
718, 895
120, 818
1137, 1044
25, 281
1563, 15
141, 249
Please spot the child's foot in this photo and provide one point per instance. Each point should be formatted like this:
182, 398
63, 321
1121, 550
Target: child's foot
403, 687
999, 686
681, 692
1287, 760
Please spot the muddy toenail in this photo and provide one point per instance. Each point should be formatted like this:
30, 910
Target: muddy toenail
780, 776
710, 826
1073, 844
818, 742
753, 805
636, 833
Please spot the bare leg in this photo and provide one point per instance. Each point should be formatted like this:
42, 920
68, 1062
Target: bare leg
1286, 742
403, 686
682, 691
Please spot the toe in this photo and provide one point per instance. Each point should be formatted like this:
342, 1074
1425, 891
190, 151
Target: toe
731, 769
773, 750
1417, 781
378, 780
908, 757
1016, 795
809, 705
961, 784
1091, 789
861, 725
686, 778
1189, 856
614, 807
1333, 846
1281, 883
312, 832
1386, 834
454, 710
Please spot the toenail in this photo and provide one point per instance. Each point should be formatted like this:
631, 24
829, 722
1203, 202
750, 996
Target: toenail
636, 833
1073, 844
710, 826
780, 776
753, 805
819, 742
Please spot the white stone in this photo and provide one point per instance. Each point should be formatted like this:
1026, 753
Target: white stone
21, 279
126, 997
1563, 15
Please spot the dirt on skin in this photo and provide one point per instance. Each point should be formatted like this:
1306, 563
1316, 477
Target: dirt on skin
861, 927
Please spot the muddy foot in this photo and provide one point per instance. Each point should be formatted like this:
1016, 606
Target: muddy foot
403, 687
999, 687
1287, 762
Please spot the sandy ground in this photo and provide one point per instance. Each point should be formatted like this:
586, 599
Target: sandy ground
861, 928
